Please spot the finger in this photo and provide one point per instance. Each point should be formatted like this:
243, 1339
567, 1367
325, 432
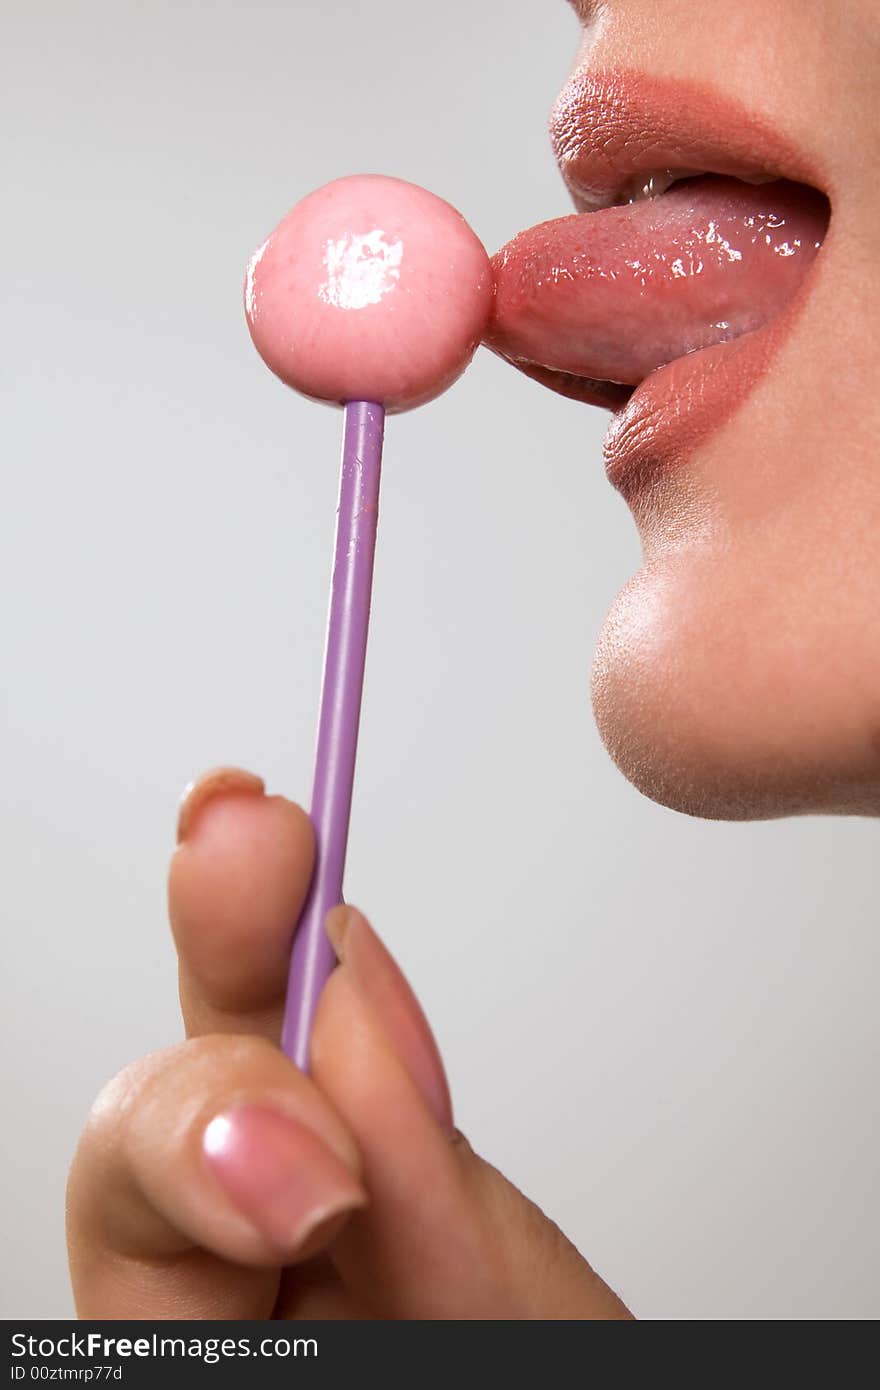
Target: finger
445, 1235
403, 1264
236, 888
201, 1172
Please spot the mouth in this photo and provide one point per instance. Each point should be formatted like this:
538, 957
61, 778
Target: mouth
663, 297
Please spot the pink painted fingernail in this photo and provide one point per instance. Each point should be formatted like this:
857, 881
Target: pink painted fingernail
279, 1174
222, 781
383, 984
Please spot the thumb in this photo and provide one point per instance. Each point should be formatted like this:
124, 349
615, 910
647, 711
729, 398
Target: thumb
445, 1235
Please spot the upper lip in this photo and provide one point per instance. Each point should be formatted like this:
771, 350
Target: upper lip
613, 130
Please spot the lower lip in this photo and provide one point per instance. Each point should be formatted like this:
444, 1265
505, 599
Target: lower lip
658, 426
678, 406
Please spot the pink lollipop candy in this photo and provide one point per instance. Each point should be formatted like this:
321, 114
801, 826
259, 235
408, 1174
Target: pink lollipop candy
372, 294
370, 289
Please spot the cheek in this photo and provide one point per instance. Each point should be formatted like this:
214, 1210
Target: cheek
736, 686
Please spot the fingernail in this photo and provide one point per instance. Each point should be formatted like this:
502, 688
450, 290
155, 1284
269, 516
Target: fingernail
222, 781
279, 1175
382, 983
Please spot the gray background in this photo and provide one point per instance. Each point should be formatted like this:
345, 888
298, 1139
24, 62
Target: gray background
663, 1030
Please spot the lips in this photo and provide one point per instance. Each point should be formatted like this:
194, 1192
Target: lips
696, 233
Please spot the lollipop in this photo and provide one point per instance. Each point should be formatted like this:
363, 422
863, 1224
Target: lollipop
371, 294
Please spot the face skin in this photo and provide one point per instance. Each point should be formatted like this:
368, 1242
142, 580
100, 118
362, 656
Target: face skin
738, 673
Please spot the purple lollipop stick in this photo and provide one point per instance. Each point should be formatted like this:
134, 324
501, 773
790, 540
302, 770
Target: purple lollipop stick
313, 958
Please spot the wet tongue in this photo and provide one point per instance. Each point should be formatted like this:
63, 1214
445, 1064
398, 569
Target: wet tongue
614, 294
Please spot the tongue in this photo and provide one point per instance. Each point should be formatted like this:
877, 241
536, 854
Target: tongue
612, 295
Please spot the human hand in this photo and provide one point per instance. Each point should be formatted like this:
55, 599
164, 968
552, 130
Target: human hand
214, 1180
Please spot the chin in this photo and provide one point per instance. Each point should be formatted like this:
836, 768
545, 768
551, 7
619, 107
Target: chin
720, 703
